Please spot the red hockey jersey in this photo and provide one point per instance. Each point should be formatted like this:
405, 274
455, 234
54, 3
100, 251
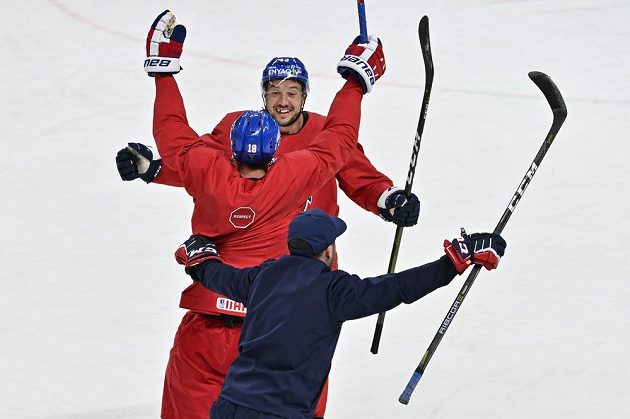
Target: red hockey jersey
248, 219
358, 179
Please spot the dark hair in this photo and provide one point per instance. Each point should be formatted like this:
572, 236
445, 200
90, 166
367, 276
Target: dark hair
301, 247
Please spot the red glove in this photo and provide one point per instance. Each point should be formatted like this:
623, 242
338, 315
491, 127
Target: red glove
365, 61
165, 42
195, 250
483, 249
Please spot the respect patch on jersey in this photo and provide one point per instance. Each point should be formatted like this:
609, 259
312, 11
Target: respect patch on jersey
242, 217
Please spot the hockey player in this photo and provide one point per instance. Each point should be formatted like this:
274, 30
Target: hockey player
238, 211
273, 379
205, 343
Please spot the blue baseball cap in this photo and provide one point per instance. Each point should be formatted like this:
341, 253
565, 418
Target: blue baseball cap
312, 231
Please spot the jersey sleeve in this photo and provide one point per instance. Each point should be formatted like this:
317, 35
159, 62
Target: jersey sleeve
361, 182
224, 279
329, 151
182, 151
170, 124
350, 297
168, 176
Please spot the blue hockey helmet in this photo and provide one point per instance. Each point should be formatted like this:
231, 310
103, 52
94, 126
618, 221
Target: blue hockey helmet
284, 68
255, 138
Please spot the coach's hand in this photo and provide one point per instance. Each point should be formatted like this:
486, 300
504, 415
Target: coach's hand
483, 249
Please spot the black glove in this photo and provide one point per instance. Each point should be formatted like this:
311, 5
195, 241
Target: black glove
195, 250
394, 206
136, 161
483, 249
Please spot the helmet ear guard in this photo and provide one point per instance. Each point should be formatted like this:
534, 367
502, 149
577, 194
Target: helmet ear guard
255, 137
285, 68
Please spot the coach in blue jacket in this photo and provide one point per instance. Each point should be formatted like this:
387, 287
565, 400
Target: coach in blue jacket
296, 306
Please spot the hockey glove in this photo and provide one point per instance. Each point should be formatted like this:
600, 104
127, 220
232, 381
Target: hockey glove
394, 206
165, 42
365, 61
136, 161
483, 249
195, 250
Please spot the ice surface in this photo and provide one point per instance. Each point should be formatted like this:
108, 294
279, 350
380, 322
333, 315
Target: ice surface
89, 288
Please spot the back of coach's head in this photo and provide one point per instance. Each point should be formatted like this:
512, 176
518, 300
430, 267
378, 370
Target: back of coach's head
312, 232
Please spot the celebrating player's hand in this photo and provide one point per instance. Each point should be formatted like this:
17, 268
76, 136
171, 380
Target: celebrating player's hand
136, 161
395, 206
165, 42
483, 249
195, 250
365, 61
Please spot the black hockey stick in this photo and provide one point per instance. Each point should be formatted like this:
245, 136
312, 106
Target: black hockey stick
551, 92
423, 34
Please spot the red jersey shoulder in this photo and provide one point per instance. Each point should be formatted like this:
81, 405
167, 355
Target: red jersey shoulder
301, 139
220, 136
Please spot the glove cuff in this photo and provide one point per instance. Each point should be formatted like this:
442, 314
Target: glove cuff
155, 167
161, 65
351, 64
382, 200
460, 264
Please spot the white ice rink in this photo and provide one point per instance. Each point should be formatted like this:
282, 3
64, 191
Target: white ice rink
89, 289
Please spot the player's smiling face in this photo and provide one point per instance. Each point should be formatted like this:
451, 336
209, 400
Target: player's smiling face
284, 102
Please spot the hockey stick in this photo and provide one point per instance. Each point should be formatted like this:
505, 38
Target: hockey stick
363, 35
551, 92
423, 34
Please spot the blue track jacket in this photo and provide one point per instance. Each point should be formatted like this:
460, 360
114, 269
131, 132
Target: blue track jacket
295, 309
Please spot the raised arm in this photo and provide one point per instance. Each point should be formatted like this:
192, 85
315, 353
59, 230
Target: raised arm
171, 131
331, 148
165, 43
349, 297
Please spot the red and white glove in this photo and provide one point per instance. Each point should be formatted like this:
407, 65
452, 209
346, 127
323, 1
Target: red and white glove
195, 250
365, 61
165, 42
483, 249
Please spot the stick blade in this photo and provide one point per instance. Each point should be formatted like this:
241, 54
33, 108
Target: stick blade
425, 44
550, 90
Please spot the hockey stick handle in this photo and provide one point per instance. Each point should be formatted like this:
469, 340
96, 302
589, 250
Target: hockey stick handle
417, 374
362, 22
554, 98
380, 321
425, 44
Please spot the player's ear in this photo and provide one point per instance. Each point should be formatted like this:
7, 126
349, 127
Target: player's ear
329, 254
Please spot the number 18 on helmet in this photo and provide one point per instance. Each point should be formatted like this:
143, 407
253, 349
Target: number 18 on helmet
255, 138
